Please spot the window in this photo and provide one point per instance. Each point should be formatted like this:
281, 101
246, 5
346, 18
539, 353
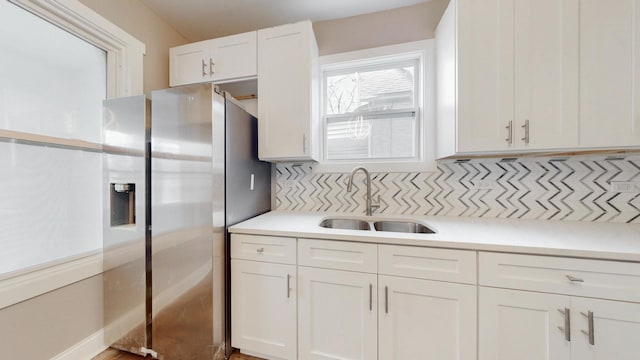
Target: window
58, 62
374, 107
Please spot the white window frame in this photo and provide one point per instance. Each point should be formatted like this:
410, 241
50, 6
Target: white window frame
124, 78
422, 50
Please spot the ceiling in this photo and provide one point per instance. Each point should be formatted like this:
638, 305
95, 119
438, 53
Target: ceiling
205, 19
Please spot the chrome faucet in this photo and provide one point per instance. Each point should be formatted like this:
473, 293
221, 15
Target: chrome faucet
370, 204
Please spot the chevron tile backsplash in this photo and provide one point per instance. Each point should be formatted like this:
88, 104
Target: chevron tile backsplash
566, 188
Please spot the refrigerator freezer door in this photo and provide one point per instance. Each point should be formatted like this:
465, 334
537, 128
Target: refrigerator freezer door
182, 207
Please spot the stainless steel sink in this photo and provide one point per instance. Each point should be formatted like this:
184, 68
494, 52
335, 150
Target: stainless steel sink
402, 226
346, 224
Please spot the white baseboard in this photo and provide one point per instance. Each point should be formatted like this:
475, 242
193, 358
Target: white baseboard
89, 347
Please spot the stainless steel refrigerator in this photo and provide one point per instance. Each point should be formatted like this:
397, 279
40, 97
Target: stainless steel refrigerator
169, 296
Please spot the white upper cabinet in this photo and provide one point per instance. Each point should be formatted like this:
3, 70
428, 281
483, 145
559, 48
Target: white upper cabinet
287, 93
610, 73
507, 76
223, 59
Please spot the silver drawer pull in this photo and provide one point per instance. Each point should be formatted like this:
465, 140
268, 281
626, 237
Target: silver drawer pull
591, 332
370, 297
386, 299
574, 279
288, 286
567, 323
260, 250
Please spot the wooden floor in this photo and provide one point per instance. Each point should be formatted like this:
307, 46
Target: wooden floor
113, 354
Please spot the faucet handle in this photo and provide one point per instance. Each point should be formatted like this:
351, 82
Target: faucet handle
375, 204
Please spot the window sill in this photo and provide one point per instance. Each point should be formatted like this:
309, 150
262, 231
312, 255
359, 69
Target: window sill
31, 283
343, 167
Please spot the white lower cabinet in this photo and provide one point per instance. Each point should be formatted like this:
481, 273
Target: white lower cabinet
422, 319
337, 314
522, 325
314, 299
527, 325
615, 330
263, 312
583, 320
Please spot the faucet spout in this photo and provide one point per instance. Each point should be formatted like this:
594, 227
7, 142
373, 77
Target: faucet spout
369, 205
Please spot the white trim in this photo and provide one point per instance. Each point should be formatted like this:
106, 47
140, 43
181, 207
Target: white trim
425, 49
125, 53
30, 284
88, 348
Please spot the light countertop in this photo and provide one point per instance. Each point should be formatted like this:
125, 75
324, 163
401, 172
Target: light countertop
541, 237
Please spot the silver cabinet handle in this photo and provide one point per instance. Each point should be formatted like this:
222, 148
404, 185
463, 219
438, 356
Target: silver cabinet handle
304, 143
370, 297
574, 279
288, 286
386, 299
260, 250
567, 323
204, 69
526, 131
509, 128
590, 333
211, 63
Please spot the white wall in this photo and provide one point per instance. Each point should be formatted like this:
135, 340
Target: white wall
406, 24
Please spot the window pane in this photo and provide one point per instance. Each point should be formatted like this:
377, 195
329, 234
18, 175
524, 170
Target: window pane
372, 138
387, 88
51, 82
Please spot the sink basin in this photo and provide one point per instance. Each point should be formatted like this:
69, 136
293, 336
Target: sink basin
402, 226
346, 224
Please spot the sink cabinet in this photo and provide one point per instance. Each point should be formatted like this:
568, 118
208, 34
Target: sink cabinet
337, 314
355, 300
424, 319
337, 307
427, 303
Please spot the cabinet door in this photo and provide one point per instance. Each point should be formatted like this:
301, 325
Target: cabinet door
337, 314
546, 73
286, 102
485, 74
609, 73
189, 64
263, 308
234, 57
616, 330
421, 319
522, 325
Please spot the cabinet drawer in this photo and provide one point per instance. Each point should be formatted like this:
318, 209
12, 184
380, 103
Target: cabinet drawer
582, 277
274, 249
428, 263
340, 255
